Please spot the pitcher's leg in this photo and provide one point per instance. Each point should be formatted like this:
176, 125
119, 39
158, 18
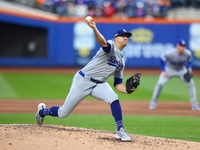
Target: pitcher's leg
105, 93
72, 100
52, 111
117, 113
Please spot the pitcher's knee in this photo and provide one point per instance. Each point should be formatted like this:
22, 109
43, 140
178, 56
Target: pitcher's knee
63, 113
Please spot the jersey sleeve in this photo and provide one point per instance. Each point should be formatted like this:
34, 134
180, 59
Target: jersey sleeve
189, 64
117, 81
118, 74
190, 57
190, 60
162, 64
108, 48
164, 57
163, 60
118, 77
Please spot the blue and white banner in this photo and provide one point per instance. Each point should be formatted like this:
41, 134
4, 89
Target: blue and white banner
73, 44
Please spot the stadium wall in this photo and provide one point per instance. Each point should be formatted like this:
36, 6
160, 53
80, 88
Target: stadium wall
31, 41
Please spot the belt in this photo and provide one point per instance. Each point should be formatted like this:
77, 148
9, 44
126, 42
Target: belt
91, 79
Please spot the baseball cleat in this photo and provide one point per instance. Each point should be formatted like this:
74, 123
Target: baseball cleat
152, 106
195, 107
122, 135
38, 118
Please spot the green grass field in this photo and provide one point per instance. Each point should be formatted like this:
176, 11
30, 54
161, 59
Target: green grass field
56, 86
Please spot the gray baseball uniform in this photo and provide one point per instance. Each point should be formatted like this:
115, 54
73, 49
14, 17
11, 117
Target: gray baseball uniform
174, 65
91, 80
102, 66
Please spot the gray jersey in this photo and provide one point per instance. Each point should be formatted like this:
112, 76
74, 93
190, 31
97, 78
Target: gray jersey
175, 67
104, 64
174, 60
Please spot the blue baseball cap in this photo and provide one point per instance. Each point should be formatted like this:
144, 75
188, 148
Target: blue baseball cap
181, 42
120, 32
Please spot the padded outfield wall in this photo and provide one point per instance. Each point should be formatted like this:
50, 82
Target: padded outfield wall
32, 41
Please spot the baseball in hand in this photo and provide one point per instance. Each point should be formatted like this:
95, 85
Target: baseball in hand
88, 19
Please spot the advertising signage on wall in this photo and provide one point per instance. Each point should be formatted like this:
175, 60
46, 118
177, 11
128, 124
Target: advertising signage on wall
70, 42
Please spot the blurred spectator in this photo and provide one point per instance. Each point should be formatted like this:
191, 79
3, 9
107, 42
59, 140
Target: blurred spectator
140, 9
108, 9
178, 3
81, 9
98, 11
130, 9
71, 9
98, 3
91, 8
162, 8
60, 7
120, 6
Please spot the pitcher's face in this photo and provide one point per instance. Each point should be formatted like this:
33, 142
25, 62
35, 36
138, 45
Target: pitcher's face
122, 39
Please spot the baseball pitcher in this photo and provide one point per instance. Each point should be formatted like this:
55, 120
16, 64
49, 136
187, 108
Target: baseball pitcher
91, 80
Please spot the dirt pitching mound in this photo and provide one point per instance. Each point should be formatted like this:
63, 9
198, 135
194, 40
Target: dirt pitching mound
55, 137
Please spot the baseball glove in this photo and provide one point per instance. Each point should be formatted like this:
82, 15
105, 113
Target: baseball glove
187, 76
132, 83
